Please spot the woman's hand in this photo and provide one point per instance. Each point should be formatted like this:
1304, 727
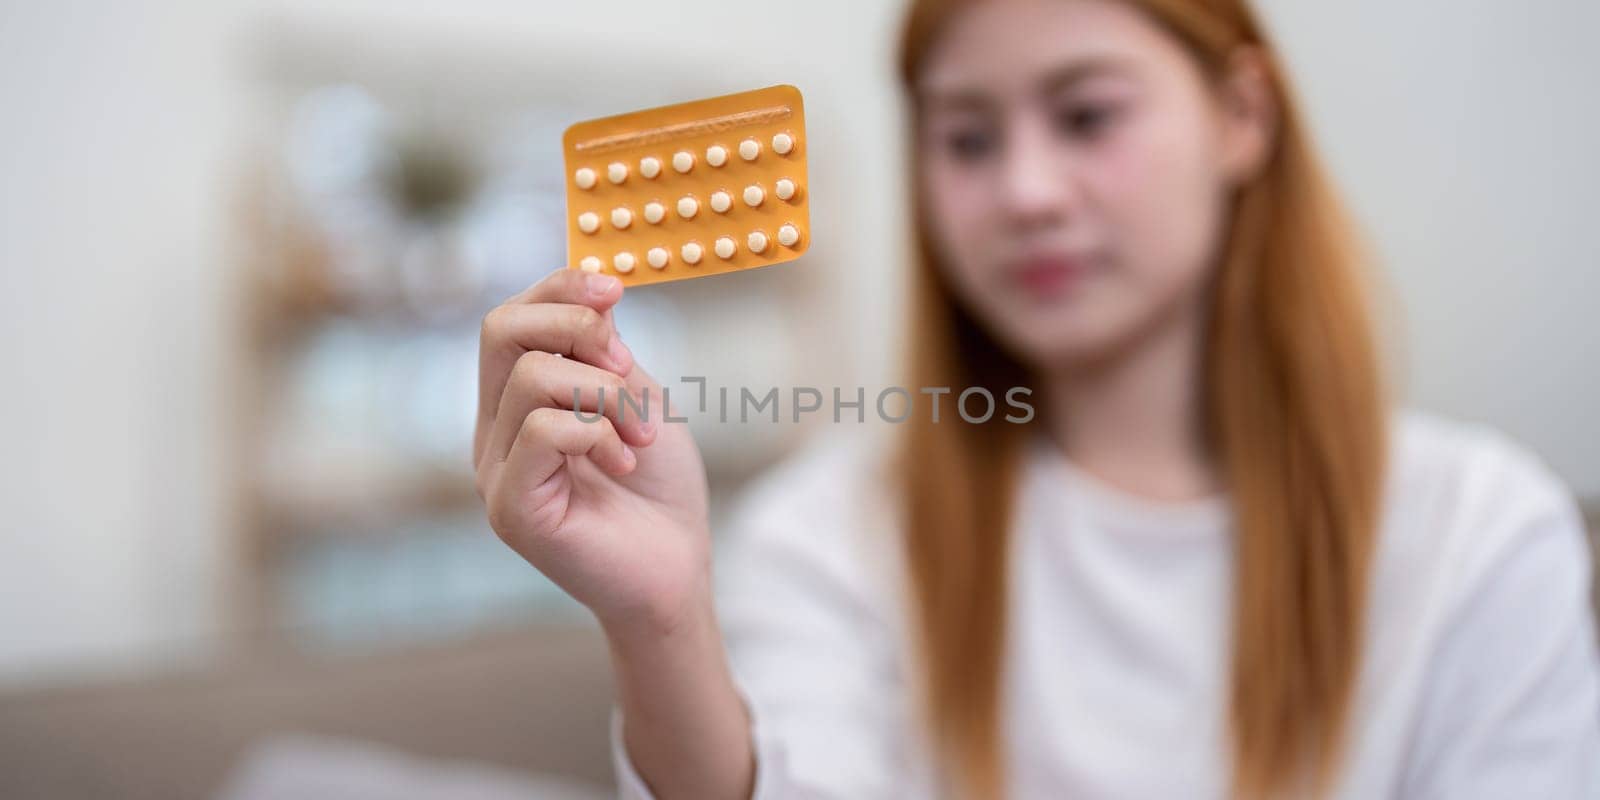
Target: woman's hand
612, 510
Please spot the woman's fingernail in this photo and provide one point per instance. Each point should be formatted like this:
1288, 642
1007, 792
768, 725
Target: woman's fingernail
628, 456
600, 284
647, 428
620, 354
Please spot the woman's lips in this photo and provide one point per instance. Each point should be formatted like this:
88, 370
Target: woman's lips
1047, 275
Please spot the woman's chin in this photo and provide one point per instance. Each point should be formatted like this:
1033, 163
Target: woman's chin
1061, 346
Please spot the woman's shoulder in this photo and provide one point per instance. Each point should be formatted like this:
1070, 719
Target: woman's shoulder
1430, 447
1462, 498
1481, 636
1466, 470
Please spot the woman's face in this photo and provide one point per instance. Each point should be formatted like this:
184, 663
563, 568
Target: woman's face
1076, 164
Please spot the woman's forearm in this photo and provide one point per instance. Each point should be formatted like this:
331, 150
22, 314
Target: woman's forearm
686, 729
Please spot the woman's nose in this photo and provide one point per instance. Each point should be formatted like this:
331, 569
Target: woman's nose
1037, 183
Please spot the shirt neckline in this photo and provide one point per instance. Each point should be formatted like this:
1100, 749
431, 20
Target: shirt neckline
1116, 507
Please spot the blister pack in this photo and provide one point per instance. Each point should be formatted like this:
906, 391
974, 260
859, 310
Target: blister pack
689, 190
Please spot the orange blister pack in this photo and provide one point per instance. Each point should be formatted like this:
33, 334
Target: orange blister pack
689, 190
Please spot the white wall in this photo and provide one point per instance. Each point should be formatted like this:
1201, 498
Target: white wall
1465, 133
112, 159
1462, 130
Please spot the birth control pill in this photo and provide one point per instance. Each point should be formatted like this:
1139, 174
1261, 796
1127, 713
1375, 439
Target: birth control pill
691, 253
699, 188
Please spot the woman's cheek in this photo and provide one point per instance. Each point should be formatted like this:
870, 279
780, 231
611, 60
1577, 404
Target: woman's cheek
1160, 198
957, 219
1128, 177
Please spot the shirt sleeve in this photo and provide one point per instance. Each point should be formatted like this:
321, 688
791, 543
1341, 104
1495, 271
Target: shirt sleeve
811, 642
770, 759
1512, 705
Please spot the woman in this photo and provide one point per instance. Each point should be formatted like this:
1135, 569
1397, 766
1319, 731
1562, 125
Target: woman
1215, 564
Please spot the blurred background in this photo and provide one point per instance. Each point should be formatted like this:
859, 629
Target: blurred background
245, 246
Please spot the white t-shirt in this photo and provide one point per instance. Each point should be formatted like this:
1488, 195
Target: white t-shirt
1481, 678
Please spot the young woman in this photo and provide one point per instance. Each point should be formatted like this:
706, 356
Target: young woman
1216, 563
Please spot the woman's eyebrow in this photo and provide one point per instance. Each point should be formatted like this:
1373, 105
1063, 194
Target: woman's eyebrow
954, 99
1065, 76
1052, 81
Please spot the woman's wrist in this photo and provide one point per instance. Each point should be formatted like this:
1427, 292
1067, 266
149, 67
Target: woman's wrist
676, 619
669, 631
685, 727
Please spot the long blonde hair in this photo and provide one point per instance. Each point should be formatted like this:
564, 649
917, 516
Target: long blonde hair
1295, 413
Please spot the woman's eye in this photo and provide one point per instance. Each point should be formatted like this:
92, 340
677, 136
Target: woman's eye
1084, 121
969, 145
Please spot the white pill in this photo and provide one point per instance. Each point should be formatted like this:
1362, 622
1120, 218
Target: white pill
721, 202
757, 241
653, 212
588, 222
782, 143
691, 253
623, 262
753, 195
788, 235
683, 161
724, 247
649, 166
716, 155
749, 149
621, 217
688, 207
657, 257
584, 178
589, 264
784, 189
617, 172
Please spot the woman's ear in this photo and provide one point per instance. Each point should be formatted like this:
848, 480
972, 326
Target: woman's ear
1249, 108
